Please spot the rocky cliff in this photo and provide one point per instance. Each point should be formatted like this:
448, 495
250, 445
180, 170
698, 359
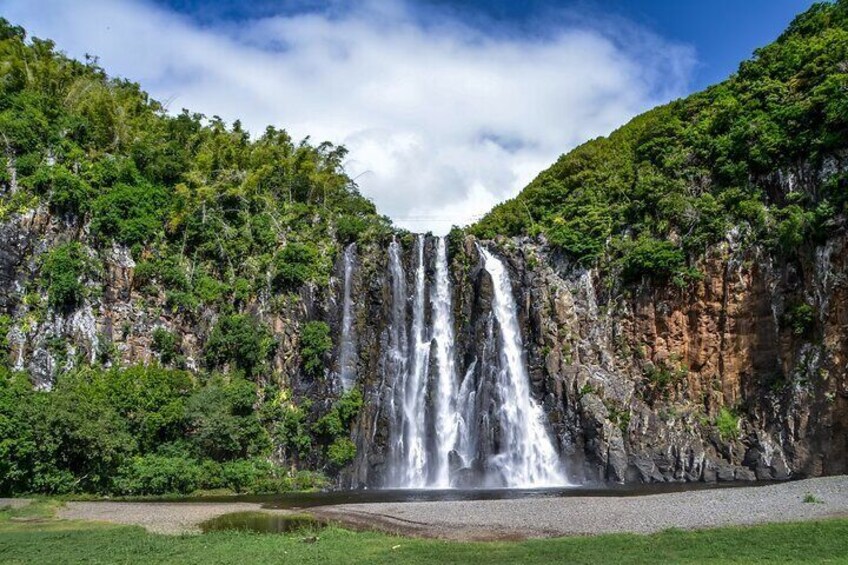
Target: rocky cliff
633, 380
714, 381
724, 379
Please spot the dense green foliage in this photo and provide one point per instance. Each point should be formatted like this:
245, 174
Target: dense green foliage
62, 270
333, 428
52, 541
229, 216
224, 229
166, 344
240, 340
315, 343
139, 430
649, 198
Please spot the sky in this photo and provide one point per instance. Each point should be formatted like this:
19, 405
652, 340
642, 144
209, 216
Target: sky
447, 107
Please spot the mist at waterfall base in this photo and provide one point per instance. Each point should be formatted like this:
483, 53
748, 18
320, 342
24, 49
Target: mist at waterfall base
444, 430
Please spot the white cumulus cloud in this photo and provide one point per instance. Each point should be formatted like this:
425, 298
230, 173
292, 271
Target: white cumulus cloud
443, 119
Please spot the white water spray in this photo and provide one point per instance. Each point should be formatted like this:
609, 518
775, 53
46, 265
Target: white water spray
527, 457
414, 404
347, 349
446, 386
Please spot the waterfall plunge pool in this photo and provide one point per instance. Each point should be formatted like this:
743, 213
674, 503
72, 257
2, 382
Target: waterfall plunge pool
296, 500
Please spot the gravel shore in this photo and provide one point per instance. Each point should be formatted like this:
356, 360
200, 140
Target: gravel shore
14, 502
523, 517
156, 517
549, 517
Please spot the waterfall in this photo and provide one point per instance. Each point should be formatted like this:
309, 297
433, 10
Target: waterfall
347, 348
414, 404
396, 364
527, 457
475, 425
446, 387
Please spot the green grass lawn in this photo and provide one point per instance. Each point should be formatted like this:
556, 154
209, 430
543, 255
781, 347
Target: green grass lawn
31, 535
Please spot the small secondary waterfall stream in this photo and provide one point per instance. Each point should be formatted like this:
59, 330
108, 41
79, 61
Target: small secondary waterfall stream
347, 348
474, 425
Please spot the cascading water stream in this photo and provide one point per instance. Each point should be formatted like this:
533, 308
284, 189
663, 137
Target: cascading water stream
396, 365
414, 404
448, 426
446, 386
347, 347
527, 456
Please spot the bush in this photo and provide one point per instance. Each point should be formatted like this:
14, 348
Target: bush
349, 229
156, 474
166, 345
180, 301
336, 422
130, 214
62, 269
209, 290
240, 474
296, 264
801, 319
238, 339
5, 328
315, 343
291, 431
151, 400
68, 194
727, 424
793, 227
341, 452
222, 422
651, 257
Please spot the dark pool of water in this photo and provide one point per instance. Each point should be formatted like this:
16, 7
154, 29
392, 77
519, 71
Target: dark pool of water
263, 523
313, 499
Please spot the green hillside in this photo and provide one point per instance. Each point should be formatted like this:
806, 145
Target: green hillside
200, 203
216, 221
655, 193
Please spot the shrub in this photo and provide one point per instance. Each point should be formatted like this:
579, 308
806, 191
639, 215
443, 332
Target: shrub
238, 339
349, 229
62, 269
801, 319
810, 498
180, 301
296, 264
209, 290
222, 422
151, 400
336, 422
243, 474
129, 213
651, 257
68, 194
792, 228
157, 474
5, 328
315, 343
727, 424
291, 431
166, 345
341, 452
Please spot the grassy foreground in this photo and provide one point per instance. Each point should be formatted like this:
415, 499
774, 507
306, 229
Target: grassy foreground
30, 535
